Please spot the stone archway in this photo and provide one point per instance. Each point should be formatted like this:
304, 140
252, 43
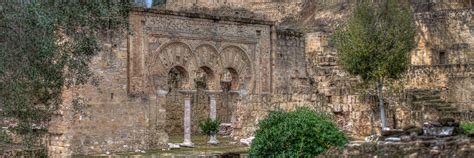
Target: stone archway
204, 78
201, 102
173, 55
235, 61
209, 62
230, 80
176, 78
171, 69
235, 81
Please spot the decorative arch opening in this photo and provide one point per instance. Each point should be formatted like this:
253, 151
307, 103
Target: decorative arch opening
177, 77
230, 80
171, 55
238, 68
204, 77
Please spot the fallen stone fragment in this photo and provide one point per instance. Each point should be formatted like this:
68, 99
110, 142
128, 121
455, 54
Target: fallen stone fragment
392, 132
393, 139
372, 139
406, 138
173, 146
247, 141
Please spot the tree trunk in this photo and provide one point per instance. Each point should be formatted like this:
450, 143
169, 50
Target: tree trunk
381, 103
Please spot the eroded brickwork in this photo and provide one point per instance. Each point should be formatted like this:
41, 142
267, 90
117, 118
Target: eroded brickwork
274, 10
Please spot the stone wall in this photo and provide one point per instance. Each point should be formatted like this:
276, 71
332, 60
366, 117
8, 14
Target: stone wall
335, 88
131, 104
101, 116
444, 37
273, 9
454, 81
290, 72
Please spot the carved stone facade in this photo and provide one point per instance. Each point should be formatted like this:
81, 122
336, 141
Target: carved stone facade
251, 66
137, 101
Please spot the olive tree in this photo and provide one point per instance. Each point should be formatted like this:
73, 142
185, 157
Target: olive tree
46, 46
375, 43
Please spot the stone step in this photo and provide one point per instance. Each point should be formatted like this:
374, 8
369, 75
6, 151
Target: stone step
418, 91
435, 102
446, 108
452, 111
443, 106
449, 113
426, 97
429, 104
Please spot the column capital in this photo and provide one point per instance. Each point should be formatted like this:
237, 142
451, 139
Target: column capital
187, 93
212, 92
161, 92
240, 93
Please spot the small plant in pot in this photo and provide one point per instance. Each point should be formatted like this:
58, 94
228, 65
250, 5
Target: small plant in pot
210, 127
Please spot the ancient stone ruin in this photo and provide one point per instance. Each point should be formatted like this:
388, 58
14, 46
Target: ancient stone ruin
185, 60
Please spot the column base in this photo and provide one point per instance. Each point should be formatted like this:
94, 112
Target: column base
187, 144
213, 140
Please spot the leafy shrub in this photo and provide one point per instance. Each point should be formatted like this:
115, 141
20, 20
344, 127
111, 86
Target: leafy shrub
468, 127
209, 126
5, 137
300, 133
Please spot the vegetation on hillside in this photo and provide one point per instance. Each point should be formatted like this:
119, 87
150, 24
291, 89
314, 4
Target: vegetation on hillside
468, 127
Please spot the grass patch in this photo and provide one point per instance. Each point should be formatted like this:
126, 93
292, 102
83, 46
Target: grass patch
468, 127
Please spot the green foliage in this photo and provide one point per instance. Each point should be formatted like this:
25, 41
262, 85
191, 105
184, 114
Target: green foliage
468, 127
4, 137
46, 46
209, 126
300, 133
376, 41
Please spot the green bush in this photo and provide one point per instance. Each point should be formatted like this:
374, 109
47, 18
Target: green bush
4, 137
467, 127
209, 126
300, 133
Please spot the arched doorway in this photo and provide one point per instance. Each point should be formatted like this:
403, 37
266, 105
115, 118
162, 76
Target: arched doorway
203, 82
176, 79
230, 84
204, 78
230, 80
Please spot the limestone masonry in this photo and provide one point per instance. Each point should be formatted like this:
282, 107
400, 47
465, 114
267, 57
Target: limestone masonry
251, 57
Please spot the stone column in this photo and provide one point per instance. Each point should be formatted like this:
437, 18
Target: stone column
188, 94
213, 116
213, 112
